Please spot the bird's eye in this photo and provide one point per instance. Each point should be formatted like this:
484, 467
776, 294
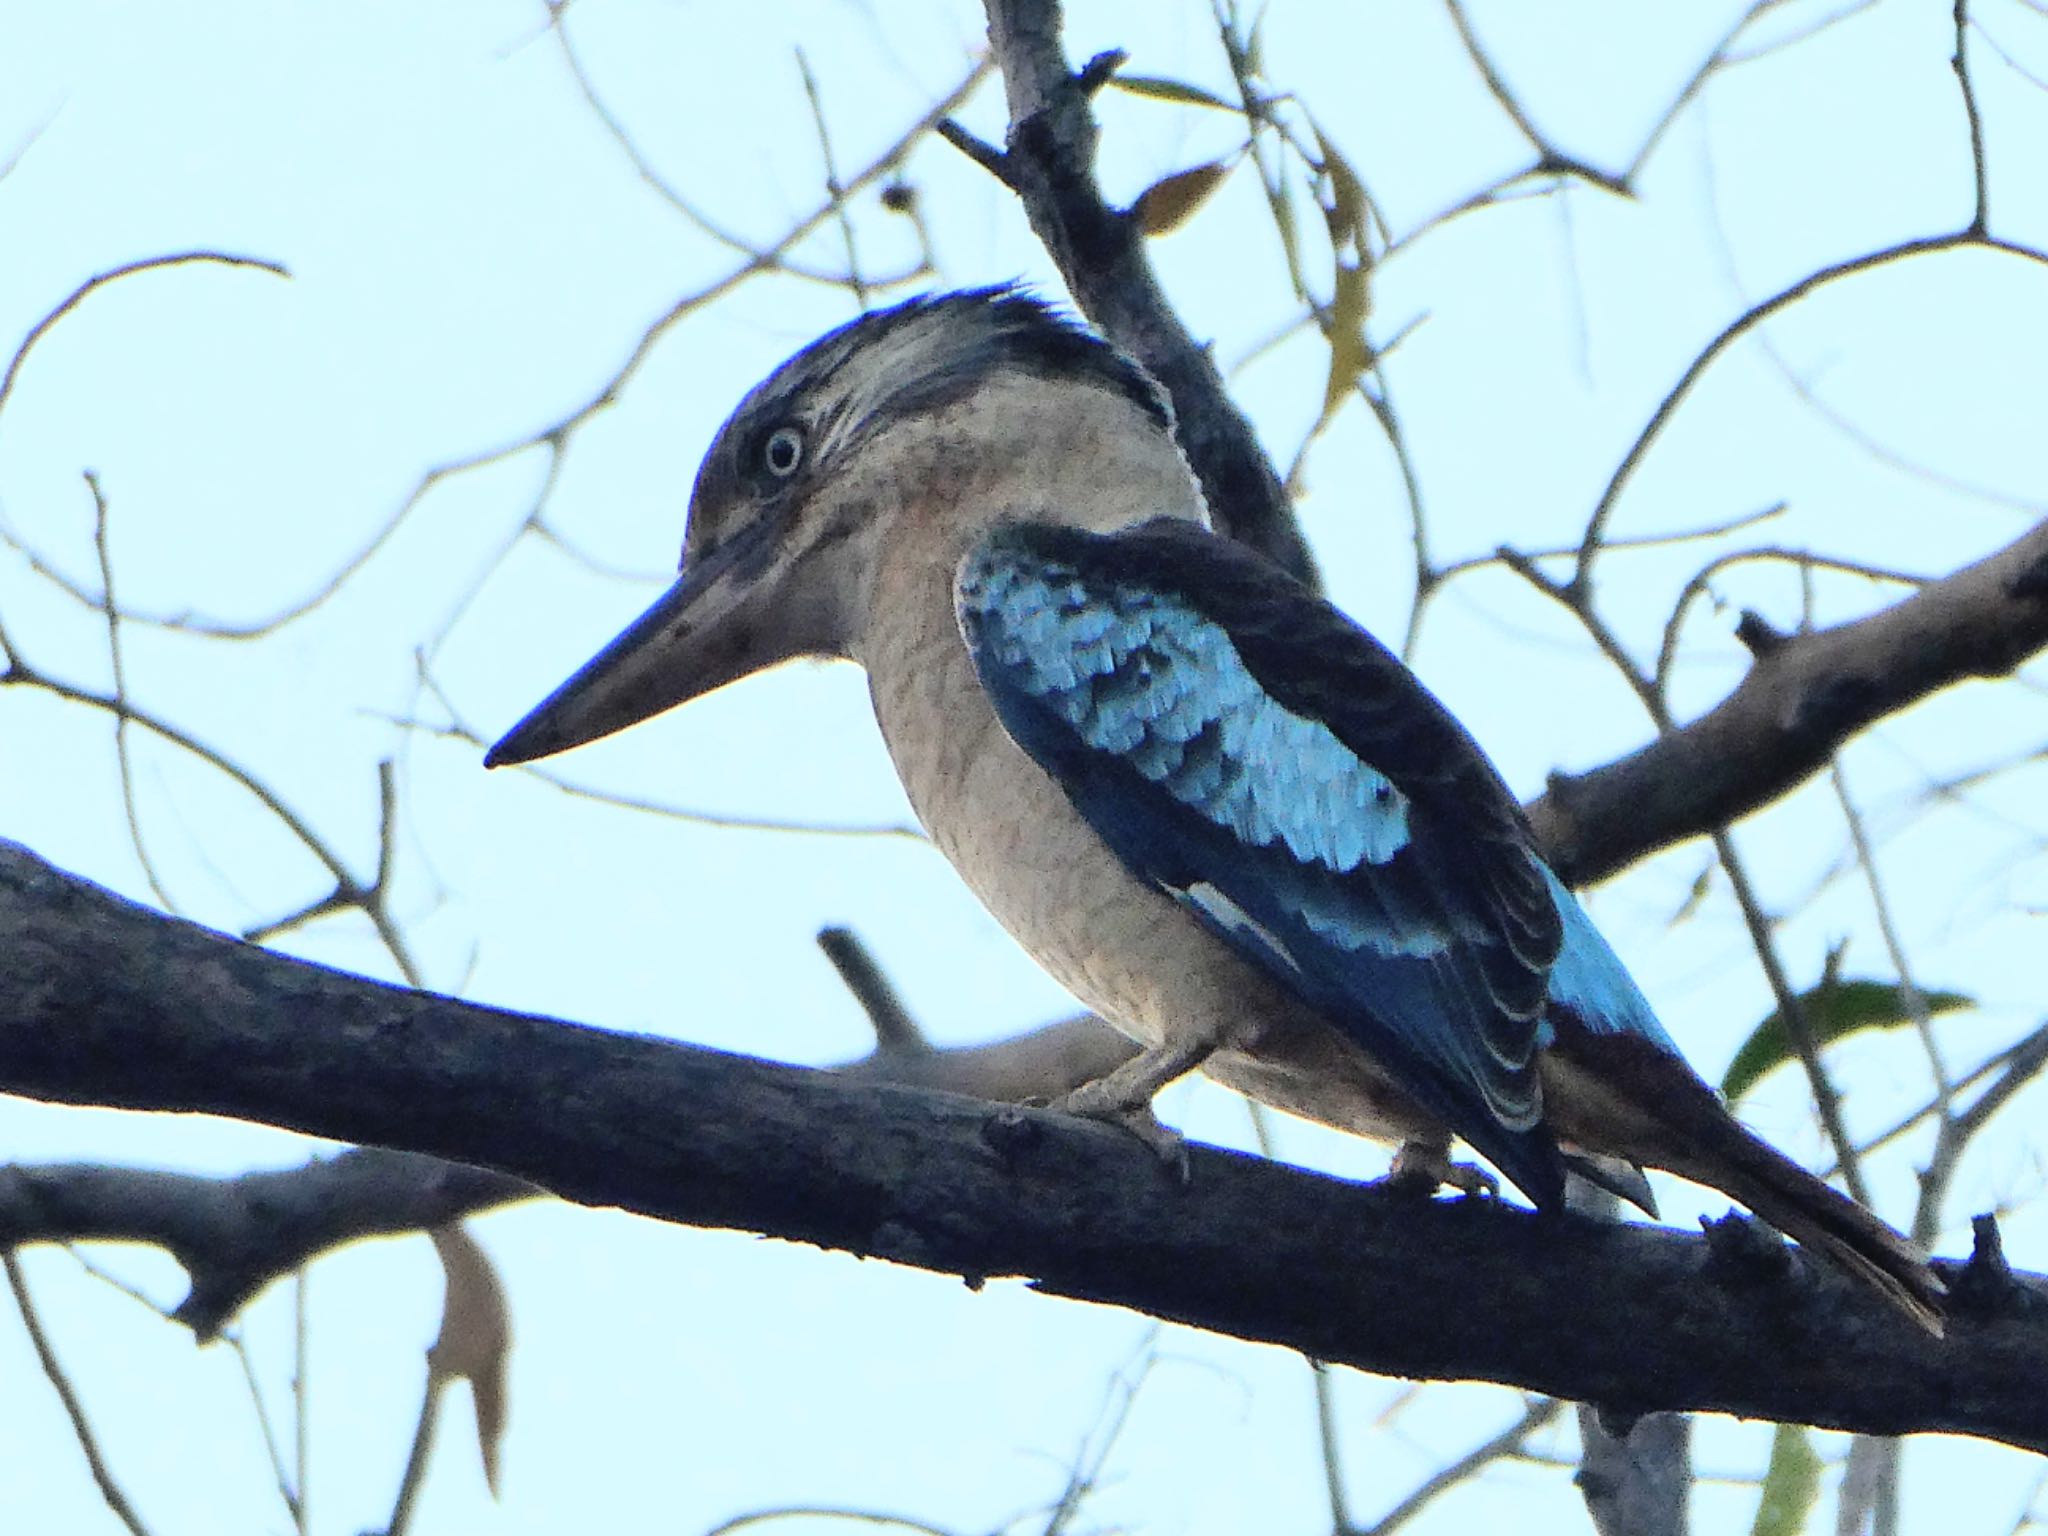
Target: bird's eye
783, 452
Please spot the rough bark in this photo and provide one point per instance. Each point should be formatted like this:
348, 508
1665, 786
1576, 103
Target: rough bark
105, 1003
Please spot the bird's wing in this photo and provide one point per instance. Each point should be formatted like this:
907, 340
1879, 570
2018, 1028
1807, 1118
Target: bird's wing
1241, 745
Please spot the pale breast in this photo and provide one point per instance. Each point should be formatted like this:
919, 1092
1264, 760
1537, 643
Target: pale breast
1018, 842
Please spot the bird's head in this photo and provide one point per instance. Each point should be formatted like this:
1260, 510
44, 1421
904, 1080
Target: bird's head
900, 435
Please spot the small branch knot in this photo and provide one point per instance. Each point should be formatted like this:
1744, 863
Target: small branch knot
1985, 1286
1759, 635
1012, 1134
1096, 73
979, 150
1744, 1254
2030, 583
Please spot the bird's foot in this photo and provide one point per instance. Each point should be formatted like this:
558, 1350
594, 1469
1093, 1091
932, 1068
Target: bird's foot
1423, 1169
1093, 1101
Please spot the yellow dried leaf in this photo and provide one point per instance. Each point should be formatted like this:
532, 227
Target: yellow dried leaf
476, 1337
1172, 200
1350, 352
1348, 208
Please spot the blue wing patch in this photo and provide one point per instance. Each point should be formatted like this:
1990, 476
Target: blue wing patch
1591, 985
1147, 673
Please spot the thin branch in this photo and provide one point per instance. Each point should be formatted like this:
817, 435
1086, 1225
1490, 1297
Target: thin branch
1536, 1413
1954, 1132
28, 142
302, 1388
1329, 1441
1799, 1029
74, 1409
2005, 55
458, 730
644, 168
1550, 160
2021, 1062
414, 1477
833, 190
1910, 995
1084, 1476
286, 1492
769, 259
828, 1512
348, 891
1980, 218
93, 284
895, 1030
1050, 164
1742, 325
232, 1337
123, 757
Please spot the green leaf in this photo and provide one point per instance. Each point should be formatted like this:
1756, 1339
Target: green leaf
1178, 91
1791, 1484
1835, 1010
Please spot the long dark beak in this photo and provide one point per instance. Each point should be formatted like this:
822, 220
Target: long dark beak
701, 634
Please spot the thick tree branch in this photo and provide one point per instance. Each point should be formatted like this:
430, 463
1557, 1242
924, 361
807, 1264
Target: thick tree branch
105, 1003
1803, 699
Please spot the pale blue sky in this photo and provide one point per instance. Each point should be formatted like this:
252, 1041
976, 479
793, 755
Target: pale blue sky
472, 257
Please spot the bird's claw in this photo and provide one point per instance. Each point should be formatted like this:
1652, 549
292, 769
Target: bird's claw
1165, 1143
1424, 1169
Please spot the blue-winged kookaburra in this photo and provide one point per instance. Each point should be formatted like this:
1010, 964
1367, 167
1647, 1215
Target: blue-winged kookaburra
1218, 811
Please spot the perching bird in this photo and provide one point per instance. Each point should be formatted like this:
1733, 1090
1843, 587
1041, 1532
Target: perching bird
1214, 808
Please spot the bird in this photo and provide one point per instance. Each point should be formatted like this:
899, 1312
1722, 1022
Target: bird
1205, 800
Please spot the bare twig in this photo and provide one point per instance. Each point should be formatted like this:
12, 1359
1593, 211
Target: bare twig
895, 1030
414, 1476
232, 1337
1910, 995
123, 758
459, 731
1550, 160
645, 169
835, 193
74, 1409
348, 891
93, 284
1329, 1440
1980, 217
1603, 510
1536, 1413
1084, 1474
872, 1517
1799, 1029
